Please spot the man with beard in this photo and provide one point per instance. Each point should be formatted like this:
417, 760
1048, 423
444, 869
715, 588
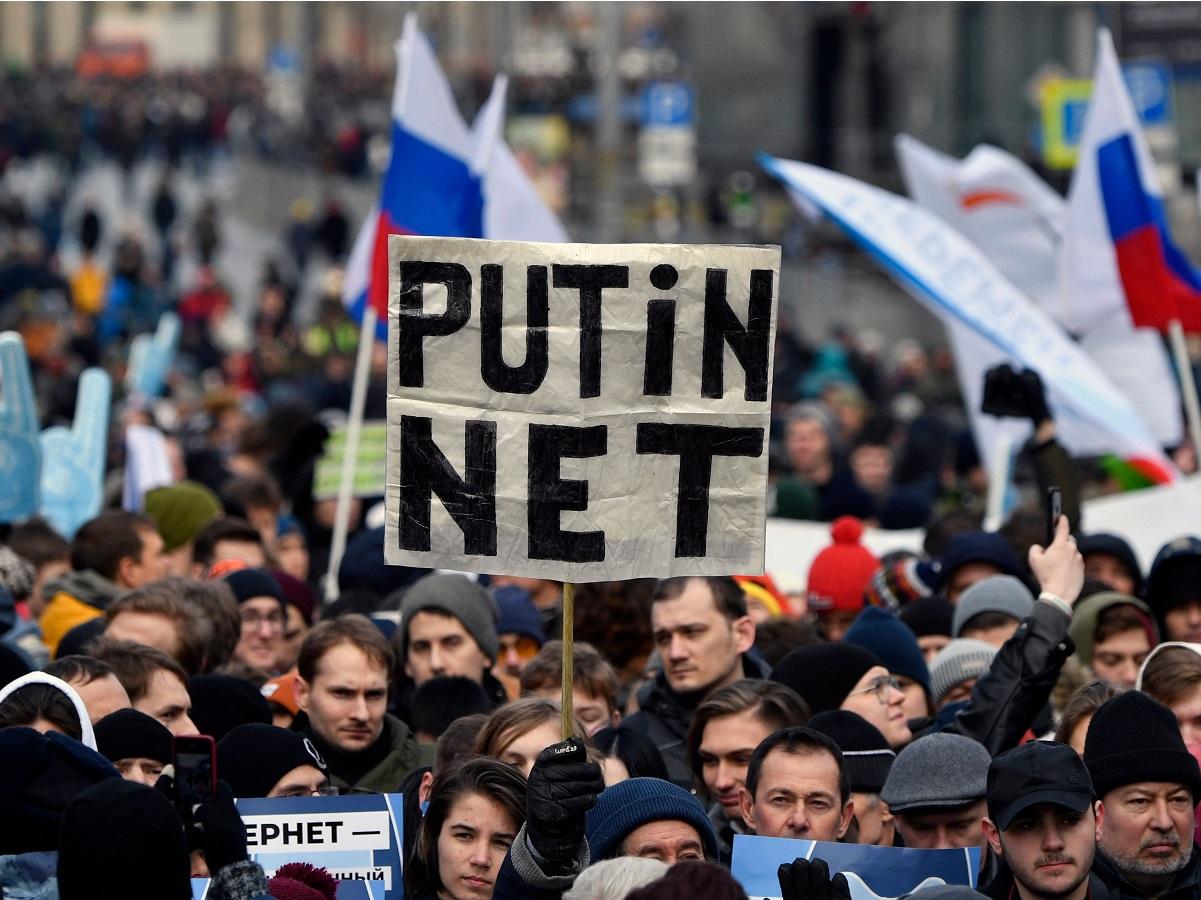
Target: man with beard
1149, 784
1042, 825
703, 634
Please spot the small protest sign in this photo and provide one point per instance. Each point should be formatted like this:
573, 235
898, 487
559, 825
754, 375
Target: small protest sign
358, 839
872, 872
578, 412
368, 465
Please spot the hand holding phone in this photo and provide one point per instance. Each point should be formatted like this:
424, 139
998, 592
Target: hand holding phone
1054, 511
195, 762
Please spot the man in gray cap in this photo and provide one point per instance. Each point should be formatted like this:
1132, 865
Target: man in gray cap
990, 610
936, 790
448, 627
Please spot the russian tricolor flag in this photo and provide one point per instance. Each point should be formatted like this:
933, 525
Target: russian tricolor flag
1118, 256
432, 186
443, 178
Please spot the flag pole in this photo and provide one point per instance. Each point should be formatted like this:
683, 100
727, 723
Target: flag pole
998, 481
1188, 385
354, 427
568, 705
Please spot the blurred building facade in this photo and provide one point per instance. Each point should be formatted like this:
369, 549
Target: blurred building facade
827, 82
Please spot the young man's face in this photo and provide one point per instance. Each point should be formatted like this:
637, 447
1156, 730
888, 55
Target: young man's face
798, 796
439, 644
727, 745
1183, 622
167, 700
593, 711
701, 649
347, 698
150, 565
1119, 658
260, 644
1049, 848
1109, 570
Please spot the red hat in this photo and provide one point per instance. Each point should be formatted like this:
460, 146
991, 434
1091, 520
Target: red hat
839, 575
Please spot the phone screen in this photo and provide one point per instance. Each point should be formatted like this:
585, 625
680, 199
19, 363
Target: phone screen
193, 775
1054, 511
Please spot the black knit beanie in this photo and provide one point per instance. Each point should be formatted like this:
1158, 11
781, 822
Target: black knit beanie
823, 674
129, 734
1131, 739
865, 751
220, 703
121, 840
932, 615
251, 759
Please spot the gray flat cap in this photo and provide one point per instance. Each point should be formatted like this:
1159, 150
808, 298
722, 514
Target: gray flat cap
939, 770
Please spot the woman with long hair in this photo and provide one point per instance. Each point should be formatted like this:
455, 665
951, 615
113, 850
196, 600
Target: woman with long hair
475, 812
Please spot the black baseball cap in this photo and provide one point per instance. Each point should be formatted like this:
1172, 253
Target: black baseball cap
1034, 773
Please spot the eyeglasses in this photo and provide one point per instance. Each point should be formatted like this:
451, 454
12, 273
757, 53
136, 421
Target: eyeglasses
880, 686
326, 790
252, 619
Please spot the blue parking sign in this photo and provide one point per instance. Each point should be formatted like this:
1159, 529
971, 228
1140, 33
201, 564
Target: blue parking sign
1150, 86
667, 103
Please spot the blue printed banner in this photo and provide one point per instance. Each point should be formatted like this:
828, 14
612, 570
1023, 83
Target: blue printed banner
874, 873
358, 839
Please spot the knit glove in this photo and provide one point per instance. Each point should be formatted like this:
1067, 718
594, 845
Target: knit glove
562, 788
810, 880
222, 834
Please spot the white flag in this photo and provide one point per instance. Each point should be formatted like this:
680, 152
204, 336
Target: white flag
1016, 219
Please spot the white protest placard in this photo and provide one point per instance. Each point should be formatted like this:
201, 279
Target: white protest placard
579, 412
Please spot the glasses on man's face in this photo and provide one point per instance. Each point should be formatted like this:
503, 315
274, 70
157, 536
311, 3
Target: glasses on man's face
326, 790
880, 686
252, 620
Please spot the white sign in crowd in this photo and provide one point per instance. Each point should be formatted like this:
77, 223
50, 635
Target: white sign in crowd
578, 412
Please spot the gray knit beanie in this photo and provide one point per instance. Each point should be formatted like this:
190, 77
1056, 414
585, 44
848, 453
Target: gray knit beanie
939, 770
955, 663
1000, 593
458, 596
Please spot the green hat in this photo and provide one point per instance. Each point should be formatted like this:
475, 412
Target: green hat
180, 510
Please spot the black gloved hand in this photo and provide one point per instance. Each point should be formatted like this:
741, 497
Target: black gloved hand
803, 879
222, 834
562, 787
1034, 396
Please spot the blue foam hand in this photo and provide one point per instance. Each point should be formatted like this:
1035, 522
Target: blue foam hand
151, 358
20, 451
73, 458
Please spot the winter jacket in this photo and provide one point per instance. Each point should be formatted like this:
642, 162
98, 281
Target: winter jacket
664, 718
1009, 698
1002, 886
1185, 886
74, 599
29, 876
386, 776
521, 878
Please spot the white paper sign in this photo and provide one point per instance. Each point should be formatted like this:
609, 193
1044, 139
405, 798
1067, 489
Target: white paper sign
579, 412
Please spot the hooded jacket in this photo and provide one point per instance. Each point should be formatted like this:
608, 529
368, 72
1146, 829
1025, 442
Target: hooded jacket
1008, 699
74, 599
1086, 612
385, 777
664, 717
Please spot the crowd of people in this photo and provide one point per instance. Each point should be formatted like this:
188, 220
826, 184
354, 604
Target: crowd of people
1040, 699
1046, 707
